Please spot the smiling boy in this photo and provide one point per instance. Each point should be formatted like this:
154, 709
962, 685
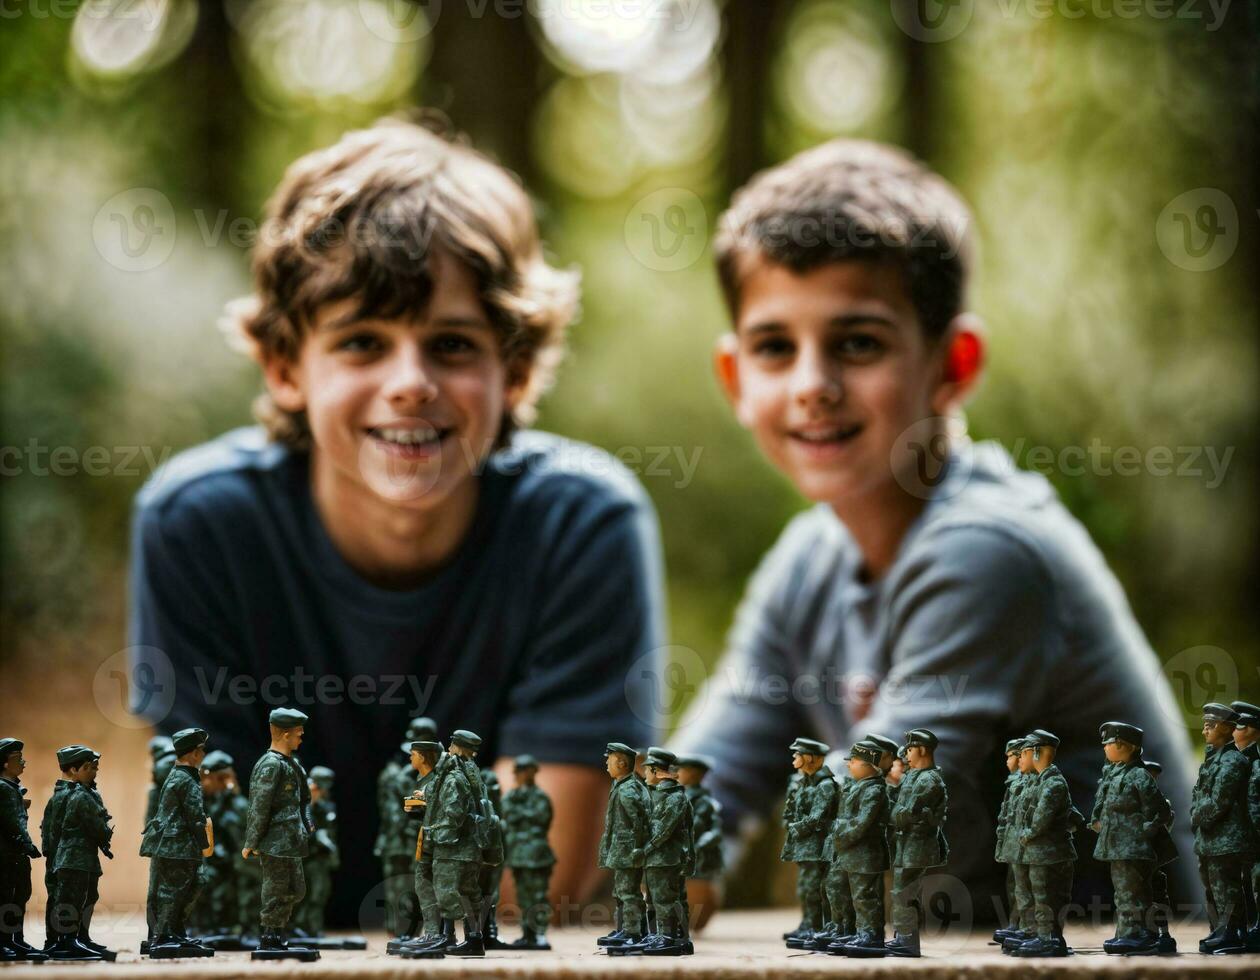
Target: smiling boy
933, 585
390, 541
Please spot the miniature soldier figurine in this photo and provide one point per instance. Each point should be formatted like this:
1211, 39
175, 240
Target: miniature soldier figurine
1247, 741
216, 910
322, 858
839, 924
861, 848
396, 841
454, 824
49, 830
82, 836
1222, 830
1045, 839
176, 841
527, 816
706, 823
627, 826
667, 856
278, 832
491, 876
808, 812
162, 752
1025, 915
246, 871
1165, 853
918, 816
432, 939
16, 851
1126, 817
1000, 852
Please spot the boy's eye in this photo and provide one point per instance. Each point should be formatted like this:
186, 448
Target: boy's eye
773, 347
359, 343
452, 344
860, 345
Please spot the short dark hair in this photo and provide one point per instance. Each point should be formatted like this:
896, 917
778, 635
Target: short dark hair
853, 200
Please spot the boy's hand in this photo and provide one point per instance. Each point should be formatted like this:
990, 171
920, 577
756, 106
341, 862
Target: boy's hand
703, 897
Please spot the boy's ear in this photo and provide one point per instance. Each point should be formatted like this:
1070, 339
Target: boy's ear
517, 378
726, 367
962, 350
283, 378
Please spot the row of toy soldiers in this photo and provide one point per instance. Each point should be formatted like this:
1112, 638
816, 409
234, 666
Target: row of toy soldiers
887, 811
75, 832
460, 832
661, 828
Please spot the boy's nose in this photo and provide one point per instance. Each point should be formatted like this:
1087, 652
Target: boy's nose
814, 381
410, 380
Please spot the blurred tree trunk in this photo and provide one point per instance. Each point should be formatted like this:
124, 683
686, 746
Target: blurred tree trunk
920, 110
215, 105
747, 55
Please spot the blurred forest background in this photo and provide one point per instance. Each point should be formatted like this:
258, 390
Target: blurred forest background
1108, 148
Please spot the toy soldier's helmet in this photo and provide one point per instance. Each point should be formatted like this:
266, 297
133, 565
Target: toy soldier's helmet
287, 718
809, 746
867, 752
187, 739
695, 762
467, 739
923, 737
10, 745
524, 762
419, 729
1153, 767
75, 755
1248, 714
1036, 739
885, 744
1215, 711
621, 748
1119, 731
424, 745
661, 758
1015, 746
322, 777
217, 761
160, 745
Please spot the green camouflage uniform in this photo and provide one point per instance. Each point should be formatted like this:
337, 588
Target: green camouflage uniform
491, 874
1252, 754
999, 847
450, 820
918, 817
668, 856
162, 767
1046, 849
215, 911
706, 831
247, 874
627, 826
318, 867
173, 841
396, 847
1128, 808
1010, 826
860, 844
82, 834
1223, 837
277, 829
426, 894
49, 832
836, 887
808, 812
16, 851
527, 819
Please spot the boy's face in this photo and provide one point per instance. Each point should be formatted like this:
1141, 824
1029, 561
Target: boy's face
829, 369
406, 409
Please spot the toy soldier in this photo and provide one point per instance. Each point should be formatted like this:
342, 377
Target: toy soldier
1247, 741
861, 848
919, 820
1025, 914
396, 841
1045, 837
840, 925
667, 856
1222, 830
491, 875
277, 832
1007, 845
162, 752
808, 812
215, 913
432, 939
1165, 853
82, 835
246, 872
49, 830
322, 858
454, 823
16, 851
706, 824
527, 816
627, 826
1127, 809
176, 841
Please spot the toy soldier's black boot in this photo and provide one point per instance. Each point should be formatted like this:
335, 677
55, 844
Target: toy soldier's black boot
530, 940
662, 944
473, 944
272, 946
865, 945
491, 930
68, 947
1143, 944
22, 950
824, 937
431, 947
86, 940
1016, 939
1232, 941
903, 945
799, 931
1253, 937
1009, 932
1040, 948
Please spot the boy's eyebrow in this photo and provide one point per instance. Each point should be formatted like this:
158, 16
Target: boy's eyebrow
353, 319
863, 318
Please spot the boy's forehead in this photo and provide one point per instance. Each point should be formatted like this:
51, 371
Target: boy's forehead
771, 292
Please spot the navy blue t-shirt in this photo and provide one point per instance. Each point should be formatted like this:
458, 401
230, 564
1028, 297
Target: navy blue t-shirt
542, 633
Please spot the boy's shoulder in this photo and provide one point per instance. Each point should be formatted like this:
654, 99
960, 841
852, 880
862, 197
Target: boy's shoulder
554, 470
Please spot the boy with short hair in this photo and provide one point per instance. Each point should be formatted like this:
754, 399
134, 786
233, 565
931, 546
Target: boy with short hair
391, 541
934, 584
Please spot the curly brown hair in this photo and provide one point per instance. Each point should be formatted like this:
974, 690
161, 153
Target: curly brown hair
361, 218
853, 199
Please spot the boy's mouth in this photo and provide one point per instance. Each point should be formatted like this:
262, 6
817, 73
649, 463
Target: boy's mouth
411, 442
823, 437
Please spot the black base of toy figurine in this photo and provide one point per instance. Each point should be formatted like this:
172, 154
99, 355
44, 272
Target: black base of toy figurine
302, 955
332, 942
178, 953
228, 943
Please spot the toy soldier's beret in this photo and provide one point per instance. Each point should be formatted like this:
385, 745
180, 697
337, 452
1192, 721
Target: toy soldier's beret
524, 762
75, 755
809, 746
424, 745
417, 729
885, 744
620, 748
660, 758
10, 745
696, 762
469, 740
160, 745
287, 718
1153, 767
1015, 746
187, 739
1110, 731
867, 752
1248, 714
216, 761
322, 777
1215, 711
921, 736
